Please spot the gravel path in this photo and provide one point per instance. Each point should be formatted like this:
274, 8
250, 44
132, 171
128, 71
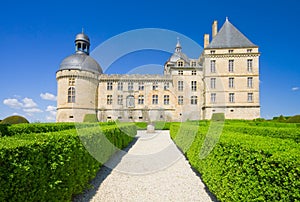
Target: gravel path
153, 169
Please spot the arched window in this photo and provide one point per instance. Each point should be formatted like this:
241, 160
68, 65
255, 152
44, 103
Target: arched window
71, 95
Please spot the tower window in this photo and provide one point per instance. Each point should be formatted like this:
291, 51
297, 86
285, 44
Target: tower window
231, 82
72, 81
180, 72
230, 51
194, 100
154, 99
213, 83
194, 72
193, 63
180, 85
231, 97
212, 52
109, 99
71, 95
250, 97
213, 97
212, 66
166, 99
249, 65
249, 50
230, 65
194, 85
180, 100
109, 85
250, 82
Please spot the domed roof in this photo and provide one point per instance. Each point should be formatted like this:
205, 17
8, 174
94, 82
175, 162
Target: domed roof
82, 37
81, 62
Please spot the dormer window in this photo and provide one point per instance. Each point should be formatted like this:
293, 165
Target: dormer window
193, 63
230, 51
180, 63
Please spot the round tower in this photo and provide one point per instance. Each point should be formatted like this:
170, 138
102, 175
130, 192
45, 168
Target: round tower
77, 83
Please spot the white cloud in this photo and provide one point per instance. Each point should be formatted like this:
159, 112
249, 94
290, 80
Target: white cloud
32, 110
29, 103
48, 96
50, 108
295, 88
50, 118
13, 103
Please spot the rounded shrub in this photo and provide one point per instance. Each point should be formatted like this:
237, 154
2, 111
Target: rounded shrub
14, 120
294, 119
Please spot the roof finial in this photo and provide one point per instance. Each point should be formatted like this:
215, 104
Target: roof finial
178, 45
82, 31
226, 18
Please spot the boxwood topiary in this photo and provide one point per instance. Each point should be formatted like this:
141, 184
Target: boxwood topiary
14, 120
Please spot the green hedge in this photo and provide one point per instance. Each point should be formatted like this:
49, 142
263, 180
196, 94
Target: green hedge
14, 120
283, 133
245, 167
17, 129
159, 125
55, 166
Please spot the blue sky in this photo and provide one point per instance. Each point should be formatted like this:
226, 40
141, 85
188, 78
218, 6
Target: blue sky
36, 36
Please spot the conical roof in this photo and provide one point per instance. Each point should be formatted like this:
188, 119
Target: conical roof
230, 37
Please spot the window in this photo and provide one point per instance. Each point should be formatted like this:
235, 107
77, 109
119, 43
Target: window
155, 85
231, 82
180, 85
166, 99
193, 63
231, 97
194, 100
109, 99
213, 83
230, 51
109, 85
141, 100
194, 85
230, 65
250, 82
212, 66
194, 72
130, 101
249, 65
120, 86
212, 52
71, 95
141, 86
213, 97
130, 86
180, 100
72, 81
120, 99
180, 72
180, 63
249, 50
155, 99
166, 85
250, 97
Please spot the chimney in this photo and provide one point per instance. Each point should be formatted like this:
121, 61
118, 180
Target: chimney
214, 29
206, 40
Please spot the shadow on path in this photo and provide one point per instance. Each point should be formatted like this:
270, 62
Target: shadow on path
103, 173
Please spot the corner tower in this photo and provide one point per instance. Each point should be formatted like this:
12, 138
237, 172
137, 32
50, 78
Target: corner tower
231, 74
77, 83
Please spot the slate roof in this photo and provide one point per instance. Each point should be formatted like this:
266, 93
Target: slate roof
230, 37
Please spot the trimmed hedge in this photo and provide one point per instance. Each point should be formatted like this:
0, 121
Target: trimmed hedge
245, 167
55, 166
159, 125
18, 129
